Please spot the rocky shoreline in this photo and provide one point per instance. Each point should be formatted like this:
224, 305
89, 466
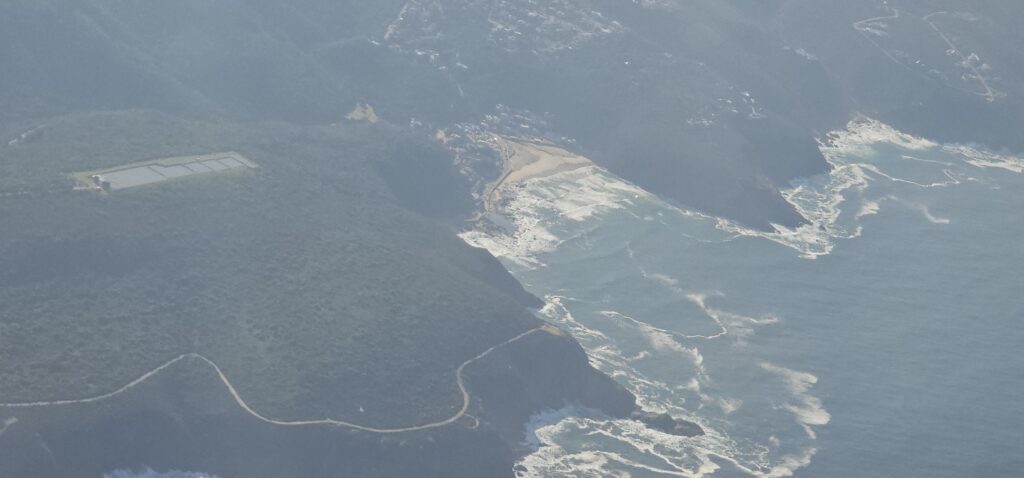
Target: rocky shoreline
185, 420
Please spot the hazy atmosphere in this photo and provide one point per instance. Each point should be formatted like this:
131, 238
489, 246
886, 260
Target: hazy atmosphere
511, 238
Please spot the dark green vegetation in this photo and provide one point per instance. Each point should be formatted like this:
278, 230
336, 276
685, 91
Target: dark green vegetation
715, 103
328, 282
306, 279
183, 419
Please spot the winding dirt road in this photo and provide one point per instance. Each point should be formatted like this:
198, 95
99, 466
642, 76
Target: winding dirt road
460, 380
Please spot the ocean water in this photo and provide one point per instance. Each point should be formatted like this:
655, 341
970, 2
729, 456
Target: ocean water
150, 473
881, 339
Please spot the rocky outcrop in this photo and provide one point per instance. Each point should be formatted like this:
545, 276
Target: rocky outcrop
549, 370
185, 419
666, 423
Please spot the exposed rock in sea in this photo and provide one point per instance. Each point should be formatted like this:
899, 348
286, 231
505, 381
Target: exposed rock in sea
668, 424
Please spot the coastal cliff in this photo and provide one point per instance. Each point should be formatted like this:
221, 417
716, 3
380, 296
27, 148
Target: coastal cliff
550, 371
184, 419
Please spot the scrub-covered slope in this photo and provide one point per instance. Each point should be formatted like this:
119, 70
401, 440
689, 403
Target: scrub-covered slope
286, 318
715, 104
318, 294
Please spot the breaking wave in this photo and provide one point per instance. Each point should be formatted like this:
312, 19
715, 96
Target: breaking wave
663, 365
150, 473
856, 160
807, 408
578, 238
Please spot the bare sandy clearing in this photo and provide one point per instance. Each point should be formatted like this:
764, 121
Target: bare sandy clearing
523, 160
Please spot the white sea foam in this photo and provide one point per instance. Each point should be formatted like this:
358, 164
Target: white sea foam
631, 446
818, 200
984, 159
951, 181
556, 312
868, 208
550, 417
819, 206
863, 132
634, 446
807, 408
922, 208
872, 165
579, 446
663, 341
7, 424
729, 405
639, 356
856, 163
664, 279
659, 339
719, 446
542, 215
628, 444
532, 205
925, 160
739, 327
522, 245
929, 216
568, 444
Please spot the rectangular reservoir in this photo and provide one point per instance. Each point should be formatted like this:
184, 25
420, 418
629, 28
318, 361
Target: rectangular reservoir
159, 170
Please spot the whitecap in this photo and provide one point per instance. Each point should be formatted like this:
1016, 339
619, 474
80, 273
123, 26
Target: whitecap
853, 156
923, 209
868, 208
984, 159
862, 132
807, 409
929, 216
548, 417
819, 206
543, 214
533, 207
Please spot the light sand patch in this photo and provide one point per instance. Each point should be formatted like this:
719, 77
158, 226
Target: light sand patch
523, 160
533, 160
363, 112
551, 329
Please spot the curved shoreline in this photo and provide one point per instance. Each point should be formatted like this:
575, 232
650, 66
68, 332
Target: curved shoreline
292, 423
523, 160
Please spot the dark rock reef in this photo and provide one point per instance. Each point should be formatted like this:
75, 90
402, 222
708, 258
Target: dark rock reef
668, 424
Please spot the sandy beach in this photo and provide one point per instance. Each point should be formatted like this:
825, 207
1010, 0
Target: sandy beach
523, 160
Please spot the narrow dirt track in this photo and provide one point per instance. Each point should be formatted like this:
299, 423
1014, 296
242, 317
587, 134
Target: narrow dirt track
459, 379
